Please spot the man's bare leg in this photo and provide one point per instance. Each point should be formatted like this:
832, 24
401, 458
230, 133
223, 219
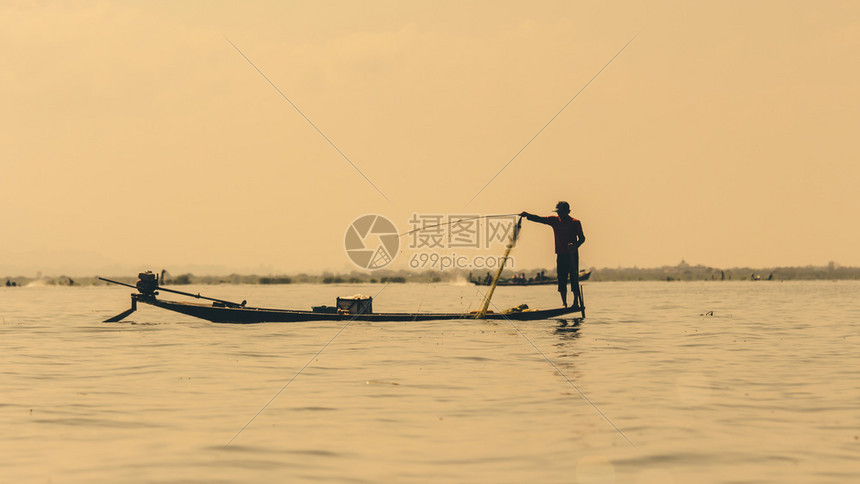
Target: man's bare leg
563, 298
574, 279
577, 296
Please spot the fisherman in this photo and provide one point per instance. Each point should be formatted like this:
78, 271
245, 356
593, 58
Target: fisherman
568, 238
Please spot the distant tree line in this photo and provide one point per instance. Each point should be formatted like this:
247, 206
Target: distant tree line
680, 272
686, 272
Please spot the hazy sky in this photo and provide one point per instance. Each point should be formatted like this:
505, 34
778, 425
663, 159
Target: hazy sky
133, 133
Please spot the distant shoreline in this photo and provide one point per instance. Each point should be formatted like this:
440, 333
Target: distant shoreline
680, 272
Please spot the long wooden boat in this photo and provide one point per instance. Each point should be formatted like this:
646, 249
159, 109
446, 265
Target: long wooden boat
220, 311
244, 315
537, 281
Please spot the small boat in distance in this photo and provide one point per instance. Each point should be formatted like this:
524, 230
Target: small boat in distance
521, 280
356, 308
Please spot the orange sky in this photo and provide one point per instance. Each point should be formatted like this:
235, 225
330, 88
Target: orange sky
134, 135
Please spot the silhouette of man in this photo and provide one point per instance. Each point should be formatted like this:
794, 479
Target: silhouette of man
568, 238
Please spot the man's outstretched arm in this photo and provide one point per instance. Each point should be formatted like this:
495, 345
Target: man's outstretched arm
536, 218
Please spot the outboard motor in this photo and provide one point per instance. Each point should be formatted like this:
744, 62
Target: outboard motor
147, 283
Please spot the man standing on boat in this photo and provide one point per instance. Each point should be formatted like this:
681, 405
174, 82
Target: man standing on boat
568, 238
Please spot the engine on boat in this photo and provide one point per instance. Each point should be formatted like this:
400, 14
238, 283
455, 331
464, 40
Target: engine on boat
147, 283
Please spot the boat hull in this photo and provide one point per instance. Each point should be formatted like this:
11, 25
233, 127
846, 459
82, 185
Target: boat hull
245, 315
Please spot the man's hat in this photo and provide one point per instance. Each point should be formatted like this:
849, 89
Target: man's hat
562, 207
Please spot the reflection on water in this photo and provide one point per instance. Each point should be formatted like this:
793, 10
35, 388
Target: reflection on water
713, 382
568, 328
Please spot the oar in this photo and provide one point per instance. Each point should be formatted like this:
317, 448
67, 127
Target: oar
198, 296
483, 312
119, 317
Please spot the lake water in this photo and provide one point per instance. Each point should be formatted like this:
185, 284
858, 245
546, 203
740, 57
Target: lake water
662, 382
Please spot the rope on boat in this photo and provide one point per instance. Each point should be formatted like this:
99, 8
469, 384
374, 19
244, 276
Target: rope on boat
423, 295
